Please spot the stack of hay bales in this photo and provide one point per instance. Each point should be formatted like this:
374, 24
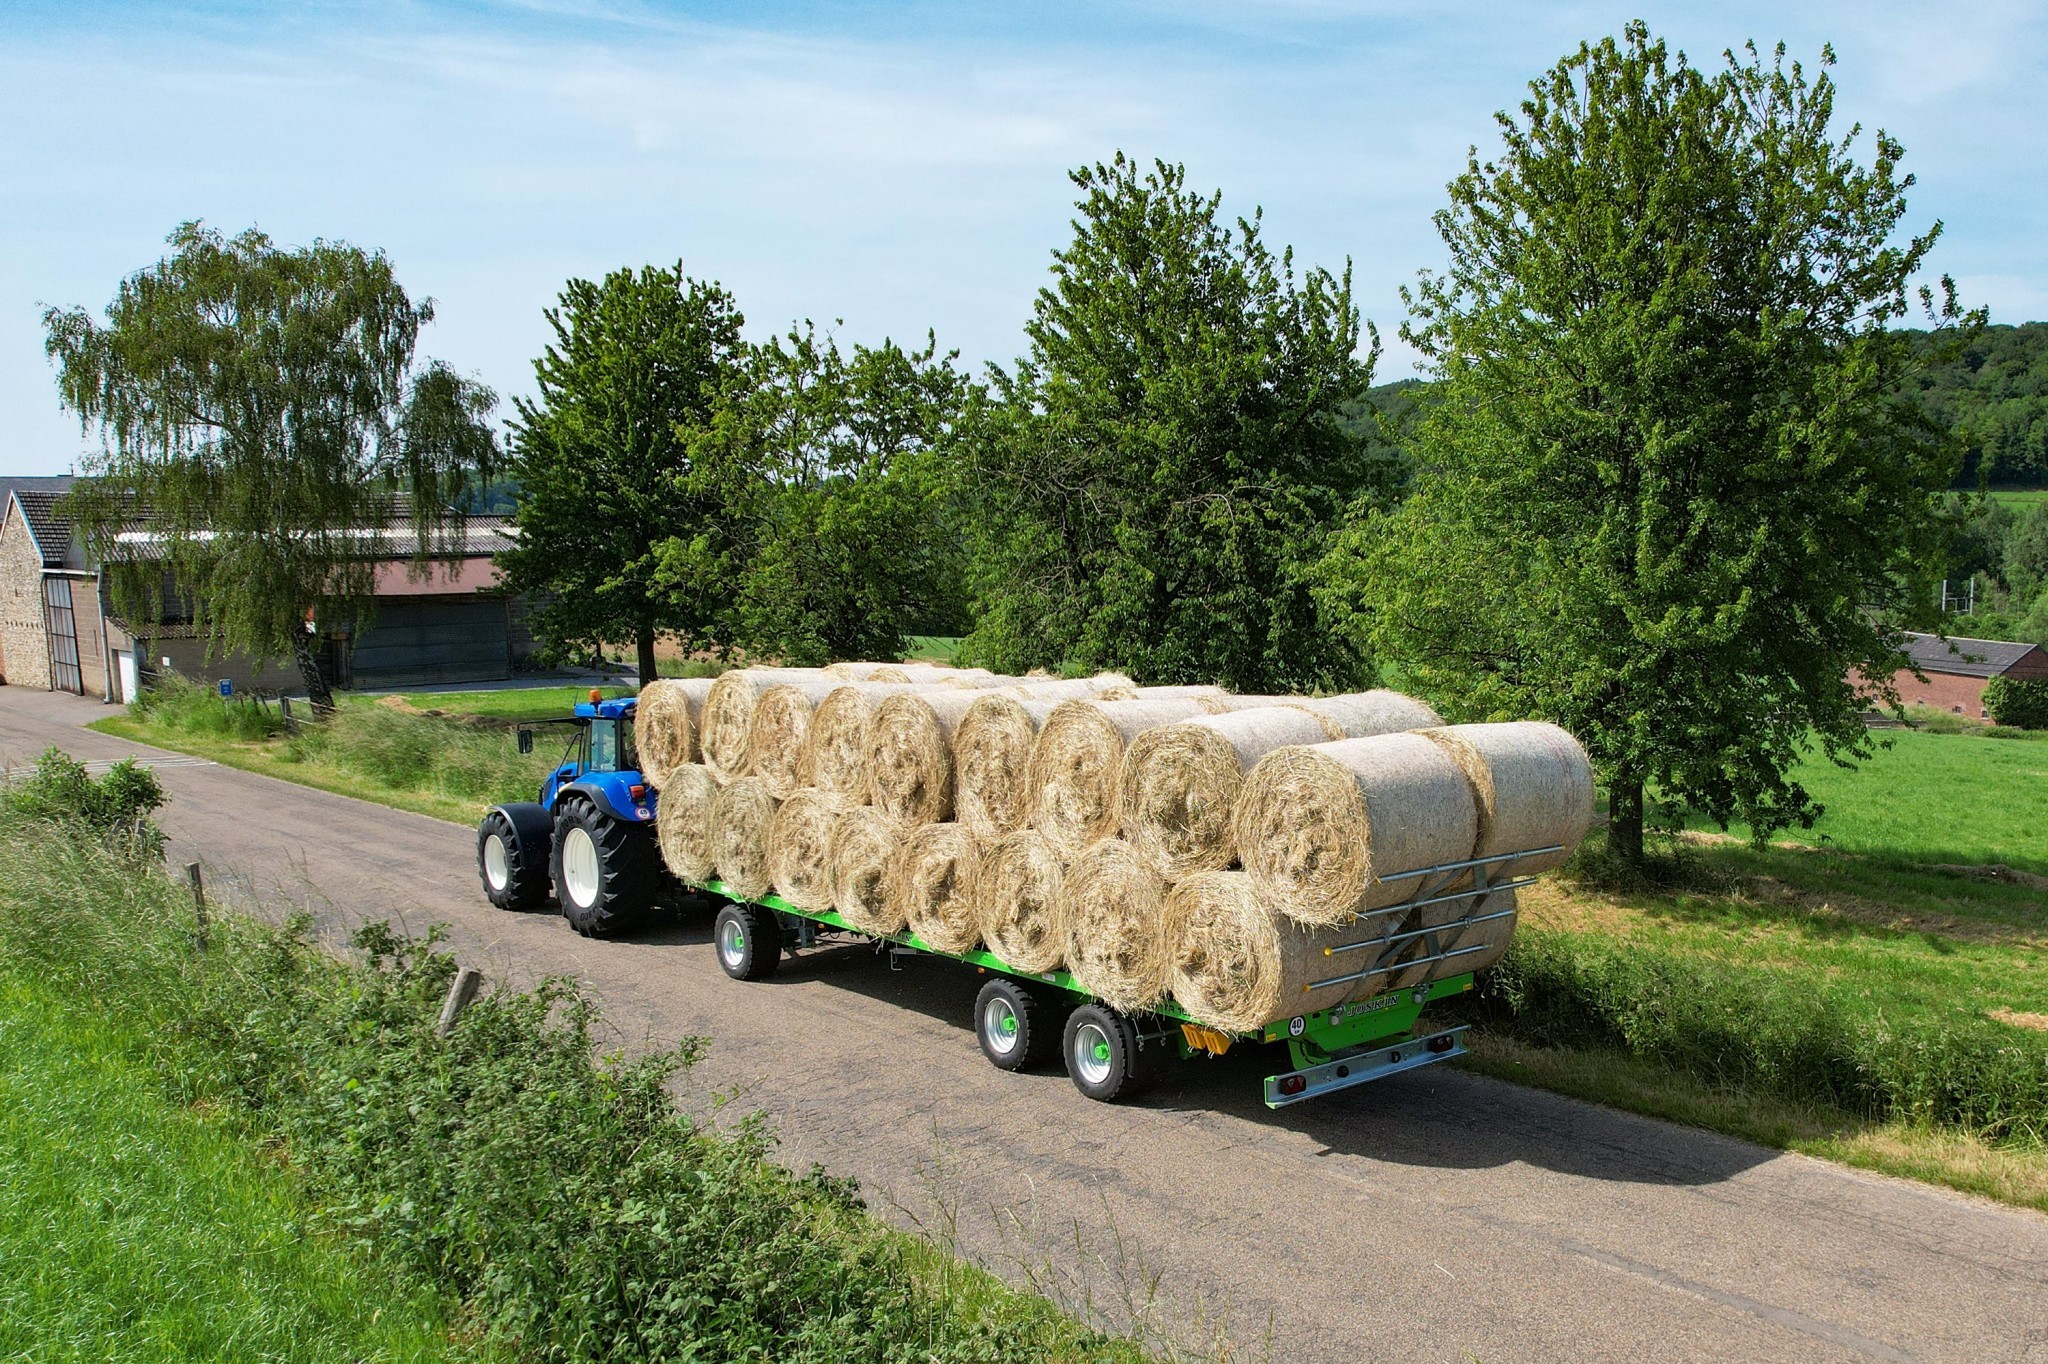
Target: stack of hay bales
1228, 851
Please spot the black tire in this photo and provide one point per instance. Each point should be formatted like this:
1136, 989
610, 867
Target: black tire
512, 849
1014, 1026
748, 941
1100, 1048
609, 885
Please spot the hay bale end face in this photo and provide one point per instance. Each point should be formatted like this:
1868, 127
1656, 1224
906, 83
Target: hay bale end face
992, 760
742, 814
863, 842
1319, 827
665, 725
727, 720
1532, 784
1016, 901
682, 823
932, 884
1073, 771
1178, 785
836, 754
799, 847
778, 736
1236, 962
910, 754
1111, 910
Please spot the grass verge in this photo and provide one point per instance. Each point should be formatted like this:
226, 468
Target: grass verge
559, 1209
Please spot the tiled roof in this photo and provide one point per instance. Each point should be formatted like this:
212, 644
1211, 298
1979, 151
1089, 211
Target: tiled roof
1976, 657
52, 532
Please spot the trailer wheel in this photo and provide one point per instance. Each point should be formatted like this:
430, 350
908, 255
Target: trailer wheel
748, 939
1100, 1046
1013, 1026
604, 870
512, 856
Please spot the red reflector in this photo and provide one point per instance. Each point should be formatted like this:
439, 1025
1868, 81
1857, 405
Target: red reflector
1293, 1084
637, 792
1443, 1043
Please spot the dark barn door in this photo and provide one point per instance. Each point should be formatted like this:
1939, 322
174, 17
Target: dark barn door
63, 627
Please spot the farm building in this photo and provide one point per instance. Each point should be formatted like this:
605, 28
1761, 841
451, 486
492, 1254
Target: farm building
60, 630
1957, 670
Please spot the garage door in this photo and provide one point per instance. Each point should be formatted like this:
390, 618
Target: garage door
418, 640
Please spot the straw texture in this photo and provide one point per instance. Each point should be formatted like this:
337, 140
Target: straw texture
1491, 938
1319, 827
665, 725
778, 737
1364, 713
727, 720
741, 814
1111, 917
1016, 901
836, 757
932, 885
992, 760
1073, 771
910, 754
1177, 789
862, 844
682, 823
799, 844
1533, 786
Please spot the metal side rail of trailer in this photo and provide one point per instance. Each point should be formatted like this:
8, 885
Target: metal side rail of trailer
1106, 1052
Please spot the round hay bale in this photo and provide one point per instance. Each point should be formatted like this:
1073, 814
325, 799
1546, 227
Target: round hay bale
741, 815
799, 846
1177, 788
1533, 785
1113, 926
837, 755
889, 672
910, 754
1364, 713
1319, 827
1016, 901
1236, 962
1213, 698
991, 762
727, 719
1491, 938
932, 883
855, 670
980, 679
682, 823
862, 843
1107, 687
1232, 701
1073, 771
779, 735
665, 725
937, 674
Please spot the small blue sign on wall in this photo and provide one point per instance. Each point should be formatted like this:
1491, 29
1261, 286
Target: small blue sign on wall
227, 686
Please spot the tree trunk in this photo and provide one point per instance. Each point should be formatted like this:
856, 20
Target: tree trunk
1625, 819
317, 690
645, 640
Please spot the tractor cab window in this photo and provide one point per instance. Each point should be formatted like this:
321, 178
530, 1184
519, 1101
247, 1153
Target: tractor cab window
611, 746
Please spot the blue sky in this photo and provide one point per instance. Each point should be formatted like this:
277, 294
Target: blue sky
898, 166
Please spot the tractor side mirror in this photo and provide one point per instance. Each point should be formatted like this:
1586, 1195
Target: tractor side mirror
526, 741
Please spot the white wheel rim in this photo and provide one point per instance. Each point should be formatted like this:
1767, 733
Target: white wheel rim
497, 866
579, 867
732, 942
1093, 1054
999, 1025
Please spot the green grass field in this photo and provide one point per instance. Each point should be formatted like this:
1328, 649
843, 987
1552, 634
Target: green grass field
131, 1229
2018, 498
525, 703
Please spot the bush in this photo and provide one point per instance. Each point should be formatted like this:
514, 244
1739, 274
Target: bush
409, 752
568, 1206
116, 808
184, 707
2023, 705
1791, 1033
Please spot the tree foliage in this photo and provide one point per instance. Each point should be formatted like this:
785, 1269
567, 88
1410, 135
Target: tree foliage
263, 418
1154, 483
2017, 701
1677, 470
832, 536
1993, 390
641, 364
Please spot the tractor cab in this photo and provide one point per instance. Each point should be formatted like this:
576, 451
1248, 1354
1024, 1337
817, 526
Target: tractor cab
588, 842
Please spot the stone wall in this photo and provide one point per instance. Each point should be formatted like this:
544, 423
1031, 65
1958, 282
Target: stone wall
24, 638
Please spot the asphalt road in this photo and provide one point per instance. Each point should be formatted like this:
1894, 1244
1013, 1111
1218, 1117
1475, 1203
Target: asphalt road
1431, 1216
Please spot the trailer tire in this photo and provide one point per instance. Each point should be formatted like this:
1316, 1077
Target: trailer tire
603, 869
748, 940
1100, 1048
512, 848
1014, 1026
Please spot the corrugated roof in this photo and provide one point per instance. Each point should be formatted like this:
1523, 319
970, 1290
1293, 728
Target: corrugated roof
1962, 657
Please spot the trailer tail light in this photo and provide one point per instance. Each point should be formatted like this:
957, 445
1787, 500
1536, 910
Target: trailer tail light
637, 792
1293, 1084
1442, 1044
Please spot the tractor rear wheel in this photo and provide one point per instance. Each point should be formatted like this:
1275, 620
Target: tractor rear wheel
604, 870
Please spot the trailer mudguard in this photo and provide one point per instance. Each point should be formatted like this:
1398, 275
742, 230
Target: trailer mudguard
612, 792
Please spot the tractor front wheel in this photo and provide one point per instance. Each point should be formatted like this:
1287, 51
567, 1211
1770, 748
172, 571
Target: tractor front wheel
604, 870
512, 856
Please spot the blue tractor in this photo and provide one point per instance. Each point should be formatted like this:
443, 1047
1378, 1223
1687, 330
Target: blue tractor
588, 842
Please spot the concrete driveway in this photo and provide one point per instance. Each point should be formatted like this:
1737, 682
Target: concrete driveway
1433, 1216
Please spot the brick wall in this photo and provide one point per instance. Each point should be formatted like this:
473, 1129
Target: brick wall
24, 639
1944, 691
